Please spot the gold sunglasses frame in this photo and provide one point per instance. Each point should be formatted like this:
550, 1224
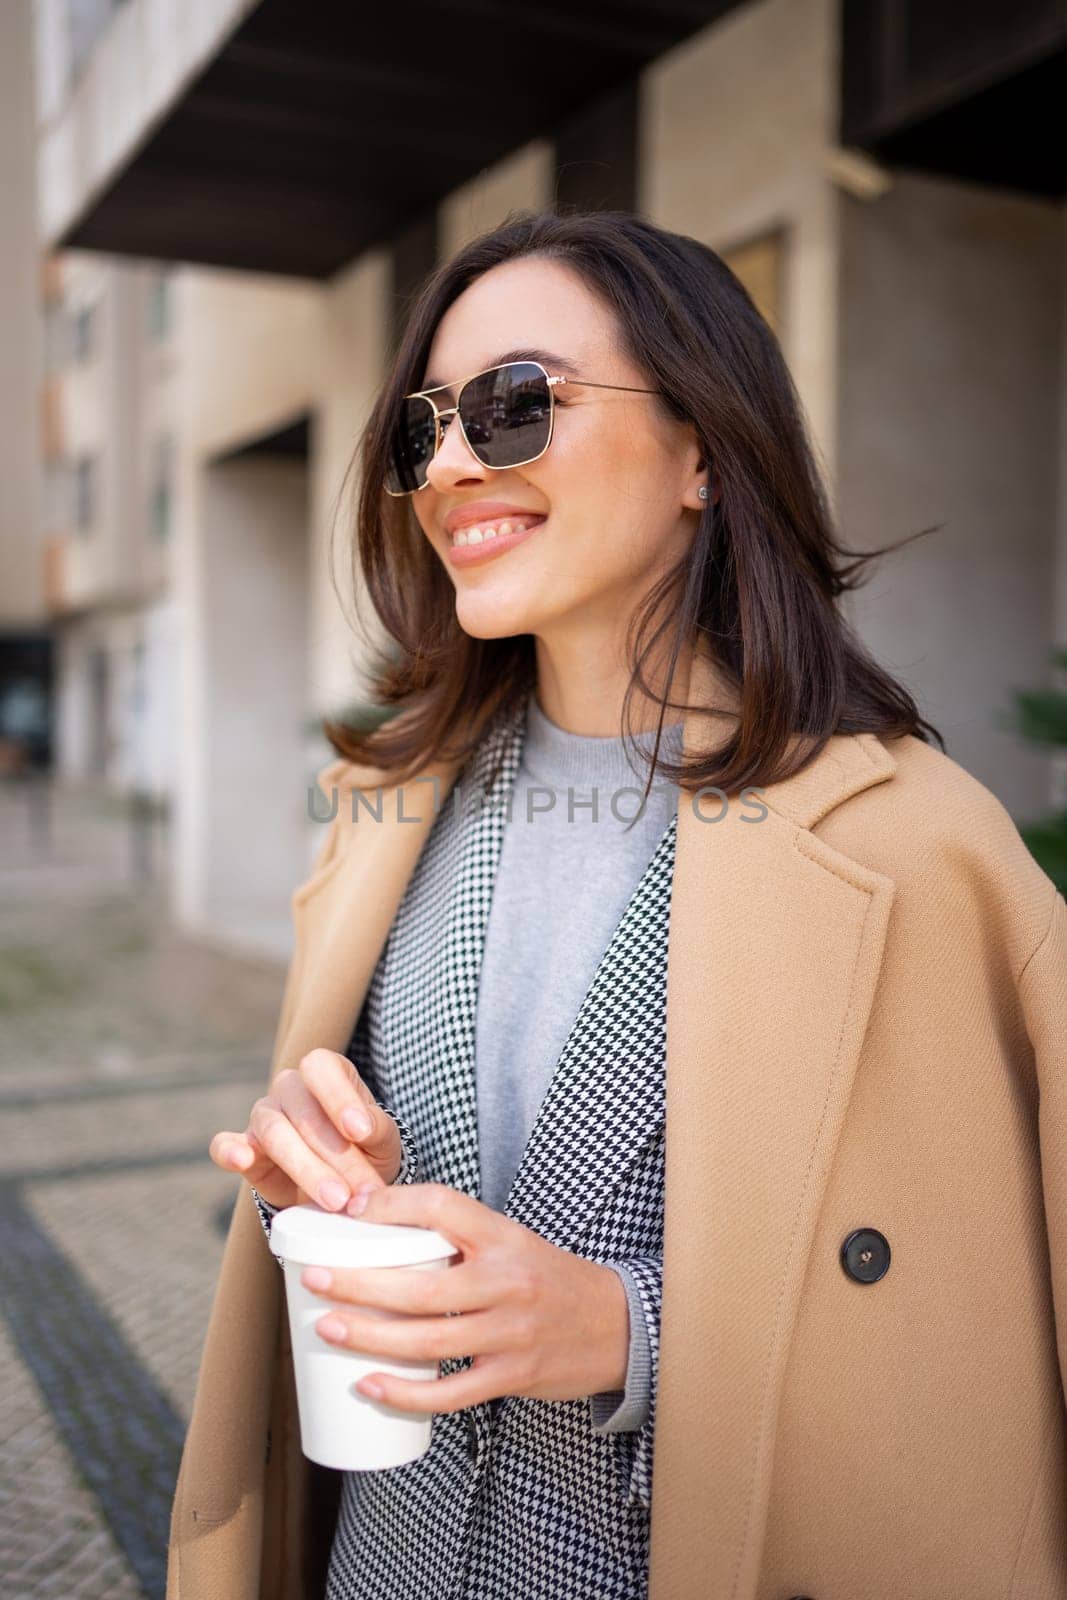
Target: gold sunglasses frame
447, 411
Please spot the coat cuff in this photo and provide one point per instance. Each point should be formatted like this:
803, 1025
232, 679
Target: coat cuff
634, 1448
623, 1410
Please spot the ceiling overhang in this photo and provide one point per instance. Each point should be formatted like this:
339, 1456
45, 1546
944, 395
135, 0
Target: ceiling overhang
974, 93
319, 131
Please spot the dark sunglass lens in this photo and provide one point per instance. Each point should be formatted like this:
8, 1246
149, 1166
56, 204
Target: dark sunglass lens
413, 447
507, 414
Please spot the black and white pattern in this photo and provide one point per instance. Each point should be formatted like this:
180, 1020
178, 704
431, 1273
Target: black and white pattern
518, 1497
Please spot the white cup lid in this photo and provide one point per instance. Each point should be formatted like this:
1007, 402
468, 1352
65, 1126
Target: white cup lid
318, 1238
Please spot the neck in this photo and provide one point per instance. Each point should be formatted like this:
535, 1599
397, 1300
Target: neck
582, 691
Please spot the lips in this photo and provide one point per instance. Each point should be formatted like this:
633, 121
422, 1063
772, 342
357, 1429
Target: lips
490, 546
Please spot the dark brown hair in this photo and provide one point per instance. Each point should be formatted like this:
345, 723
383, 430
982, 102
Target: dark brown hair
759, 584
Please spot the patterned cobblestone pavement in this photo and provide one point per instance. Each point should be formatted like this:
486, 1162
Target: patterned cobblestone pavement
123, 1047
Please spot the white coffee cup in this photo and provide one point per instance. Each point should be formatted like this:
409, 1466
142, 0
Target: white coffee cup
339, 1427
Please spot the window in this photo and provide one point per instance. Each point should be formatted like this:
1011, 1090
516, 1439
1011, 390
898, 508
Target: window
161, 500
56, 496
759, 264
82, 329
84, 477
159, 307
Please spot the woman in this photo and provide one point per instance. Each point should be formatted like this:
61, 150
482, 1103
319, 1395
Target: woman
777, 1205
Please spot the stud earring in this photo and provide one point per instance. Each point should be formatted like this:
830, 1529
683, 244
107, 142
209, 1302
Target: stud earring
703, 492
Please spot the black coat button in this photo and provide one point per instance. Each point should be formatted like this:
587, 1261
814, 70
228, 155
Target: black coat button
865, 1255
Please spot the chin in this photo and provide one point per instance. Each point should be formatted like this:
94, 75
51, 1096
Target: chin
494, 621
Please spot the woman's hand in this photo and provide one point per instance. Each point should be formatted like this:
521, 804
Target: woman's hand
539, 1321
317, 1135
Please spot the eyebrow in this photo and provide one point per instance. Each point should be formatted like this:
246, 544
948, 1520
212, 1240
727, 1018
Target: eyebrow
547, 358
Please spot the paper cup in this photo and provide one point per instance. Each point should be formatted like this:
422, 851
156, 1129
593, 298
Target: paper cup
339, 1427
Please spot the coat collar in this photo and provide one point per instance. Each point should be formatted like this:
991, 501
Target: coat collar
775, 946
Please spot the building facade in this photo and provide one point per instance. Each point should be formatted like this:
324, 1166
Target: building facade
25, 643
844, 159
108, 520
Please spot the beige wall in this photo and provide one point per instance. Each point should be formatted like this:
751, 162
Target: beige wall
523, 179
736, 126
250, 355
21, 596
951, 397
354, 329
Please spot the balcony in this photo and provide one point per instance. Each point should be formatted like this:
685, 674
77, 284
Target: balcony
290, 138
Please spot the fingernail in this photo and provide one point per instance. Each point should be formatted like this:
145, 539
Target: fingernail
359, 1200
316, 1278
332, 1193
332, 1328
355, 1122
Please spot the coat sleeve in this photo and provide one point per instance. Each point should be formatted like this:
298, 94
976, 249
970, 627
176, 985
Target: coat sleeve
1043, 995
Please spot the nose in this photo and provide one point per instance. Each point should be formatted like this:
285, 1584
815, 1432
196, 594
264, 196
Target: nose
455, 461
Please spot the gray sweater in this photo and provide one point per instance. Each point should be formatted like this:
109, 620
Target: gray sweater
567, 869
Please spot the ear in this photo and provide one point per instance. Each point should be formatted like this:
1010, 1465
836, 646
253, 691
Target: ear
705, 476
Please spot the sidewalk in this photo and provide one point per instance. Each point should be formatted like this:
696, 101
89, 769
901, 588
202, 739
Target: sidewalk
123, 1048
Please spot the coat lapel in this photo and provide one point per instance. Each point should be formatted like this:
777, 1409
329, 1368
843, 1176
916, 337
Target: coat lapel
775, 946
342, 913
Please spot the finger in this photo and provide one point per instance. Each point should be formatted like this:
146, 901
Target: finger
409, 1291
420, 1339
348, 1102
236, 1152
241, 1153
350, 1161
285, 1147
457, 1217
469, 1387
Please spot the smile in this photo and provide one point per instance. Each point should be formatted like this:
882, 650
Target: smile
483, 541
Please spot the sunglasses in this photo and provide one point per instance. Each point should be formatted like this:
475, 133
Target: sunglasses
505, 415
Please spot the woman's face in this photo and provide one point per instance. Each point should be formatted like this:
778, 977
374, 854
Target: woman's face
617, 486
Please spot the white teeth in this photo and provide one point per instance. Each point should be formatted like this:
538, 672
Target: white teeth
477, 535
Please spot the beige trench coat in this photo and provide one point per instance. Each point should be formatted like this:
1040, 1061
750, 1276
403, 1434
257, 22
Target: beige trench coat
866, 1028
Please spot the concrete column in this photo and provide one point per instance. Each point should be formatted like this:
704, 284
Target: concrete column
240, 791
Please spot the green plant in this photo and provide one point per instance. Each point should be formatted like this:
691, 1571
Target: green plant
1040, 716
358, 715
